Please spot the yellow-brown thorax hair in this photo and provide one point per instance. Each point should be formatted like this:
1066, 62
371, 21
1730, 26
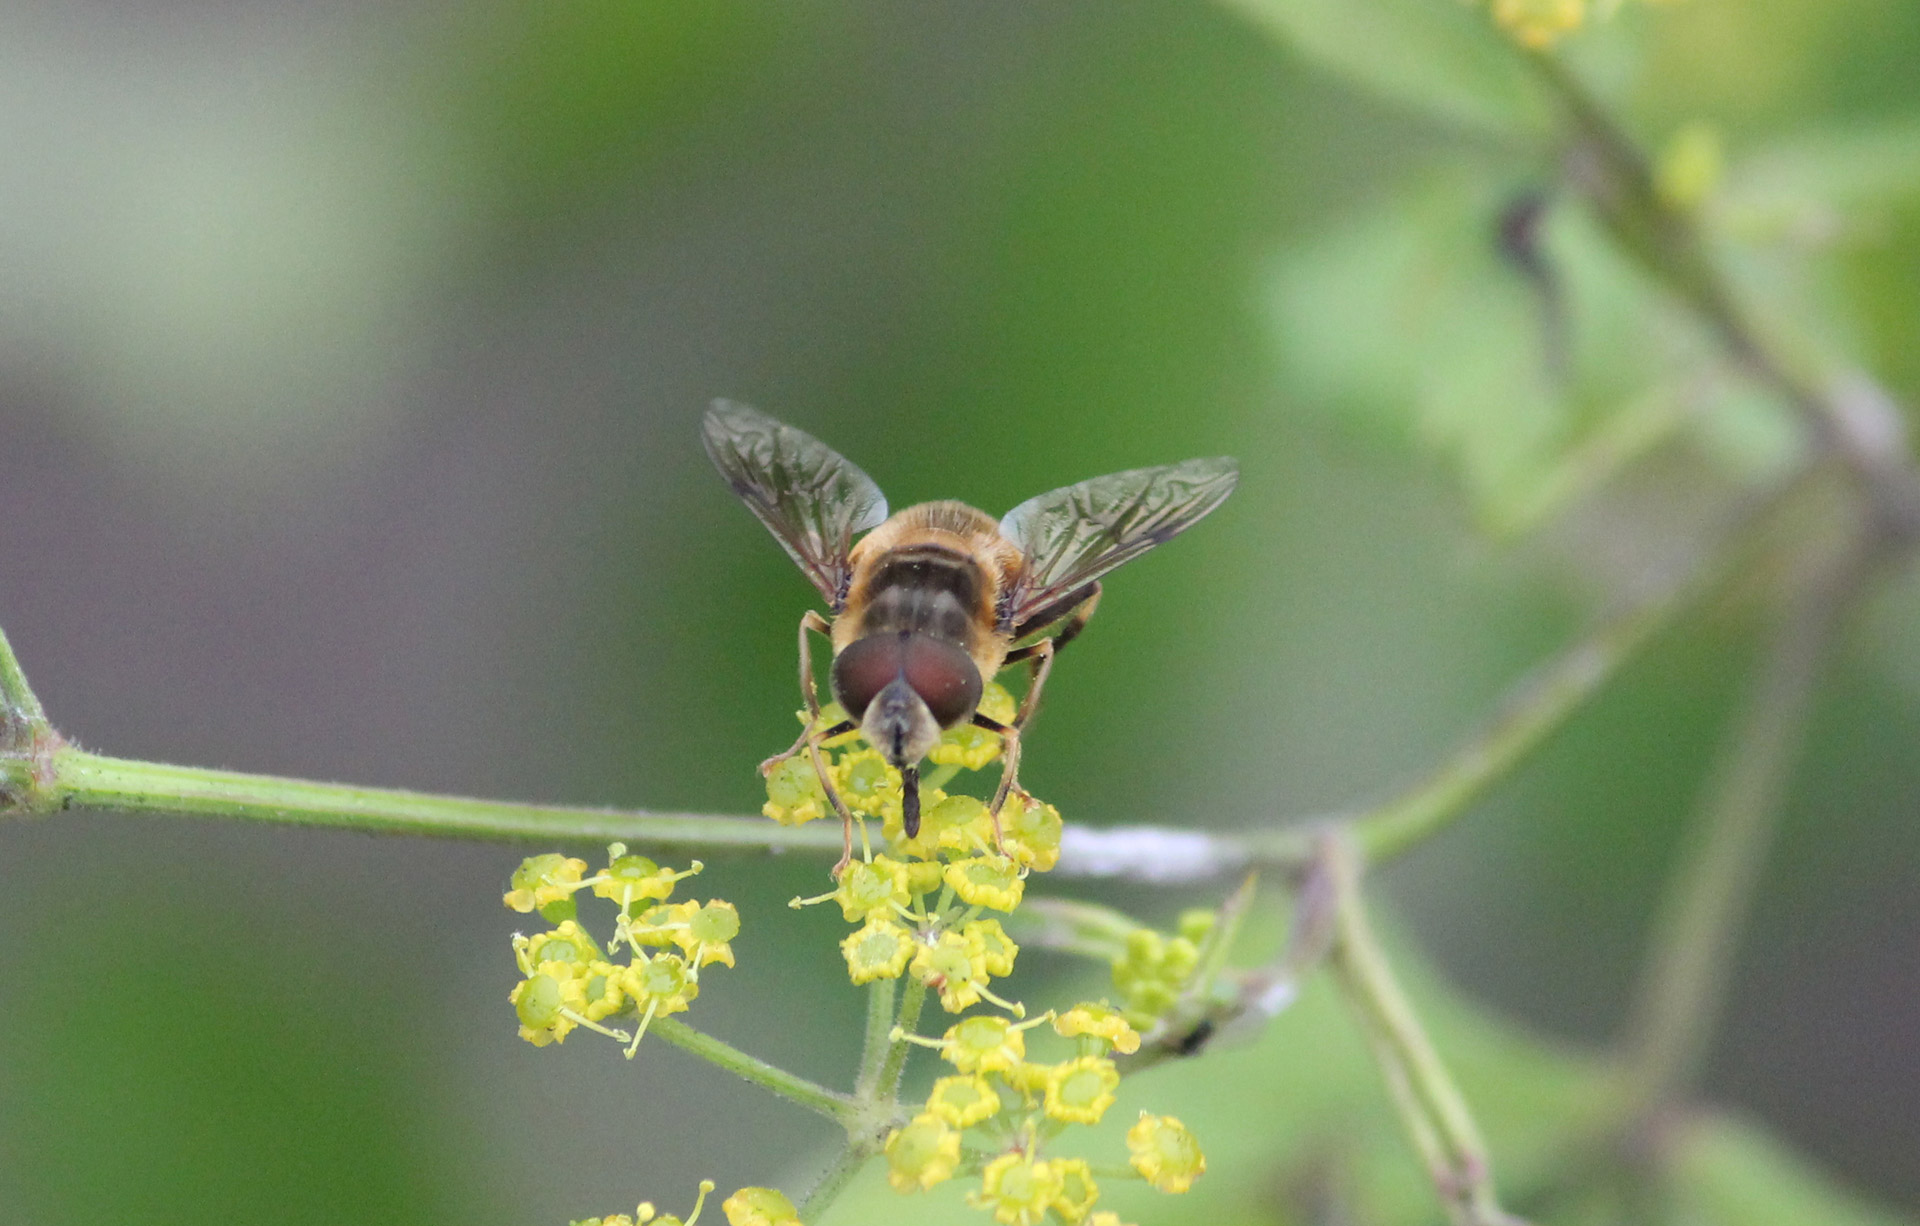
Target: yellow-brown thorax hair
938, 568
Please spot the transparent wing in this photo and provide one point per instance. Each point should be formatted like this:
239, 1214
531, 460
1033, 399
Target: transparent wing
809, 496
1072, 536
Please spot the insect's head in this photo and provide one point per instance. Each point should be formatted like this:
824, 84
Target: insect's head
905, 689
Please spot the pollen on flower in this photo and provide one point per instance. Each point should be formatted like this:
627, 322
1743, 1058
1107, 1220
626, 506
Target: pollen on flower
543, 880
760, 1207
1080, 1091
1019, 1188
922, 1154
878, 949
1165, 1153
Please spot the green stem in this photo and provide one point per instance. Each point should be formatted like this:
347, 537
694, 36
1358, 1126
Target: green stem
873, 1051
834, 1180
1712, 887
19, 710
814, 1097
86, 780
1430, 1103
887, 1084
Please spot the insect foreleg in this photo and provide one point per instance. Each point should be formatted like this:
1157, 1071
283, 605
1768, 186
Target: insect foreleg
1042, 657
813, 734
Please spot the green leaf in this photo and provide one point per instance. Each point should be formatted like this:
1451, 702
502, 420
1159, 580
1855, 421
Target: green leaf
1443, 57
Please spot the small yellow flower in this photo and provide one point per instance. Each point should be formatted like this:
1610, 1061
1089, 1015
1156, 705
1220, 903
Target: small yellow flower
878, 949
922, 1154
1080, 1091
971, 746
987, 881
760, 1207
643, 1216
1106, 1217
661, 985
794, 794
708, 929
632, 879
1539, 23
1165, 1153
924, 876
983, 1044
866, 782
1019, 1188
546, 1004
1029, 1079
872, 887
654, 926
964, 1100
1101, 1021
1030, 833
1152, 971
569, 945
600, 992
939, 815
990, 941
543, 879
951, 967
1078, 1191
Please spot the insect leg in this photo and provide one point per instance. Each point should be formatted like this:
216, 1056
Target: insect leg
808, 621
1042, 658
814, 734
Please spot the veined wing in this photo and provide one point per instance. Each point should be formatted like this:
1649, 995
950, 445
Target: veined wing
1072, 536
813, 499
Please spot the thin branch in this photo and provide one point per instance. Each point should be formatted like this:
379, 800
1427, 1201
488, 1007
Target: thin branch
1711, 889
1430, 1103
830, 1103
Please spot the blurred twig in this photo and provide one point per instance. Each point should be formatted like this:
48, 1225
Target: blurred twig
1711, 890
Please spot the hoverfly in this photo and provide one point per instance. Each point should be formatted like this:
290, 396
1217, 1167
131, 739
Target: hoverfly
938, 598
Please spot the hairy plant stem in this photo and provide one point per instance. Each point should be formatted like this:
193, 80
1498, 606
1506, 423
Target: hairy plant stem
911, 1002
1430, 1104
830, 1103
874, 1049
834, 1180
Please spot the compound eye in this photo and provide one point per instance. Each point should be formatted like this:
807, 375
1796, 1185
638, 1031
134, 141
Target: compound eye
862, 669
945, 678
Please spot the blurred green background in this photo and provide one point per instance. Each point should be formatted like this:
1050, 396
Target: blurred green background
351, 357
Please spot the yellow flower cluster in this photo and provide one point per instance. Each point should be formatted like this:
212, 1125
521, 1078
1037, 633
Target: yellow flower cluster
1017, 1109
747, 1207
1541, 23
569, 982
918, 906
